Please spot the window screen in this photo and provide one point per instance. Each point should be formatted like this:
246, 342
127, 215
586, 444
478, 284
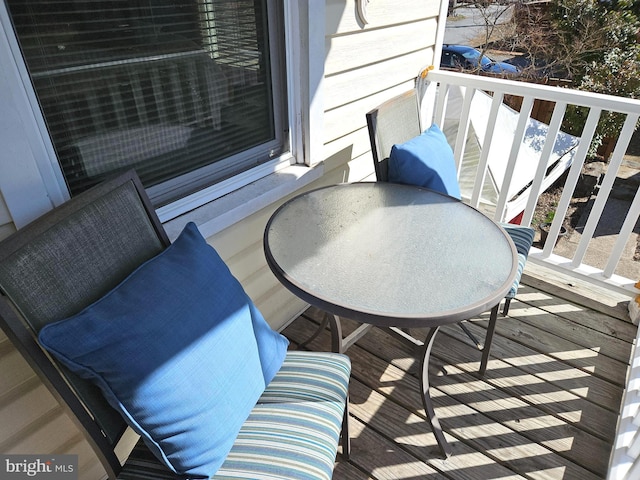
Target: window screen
168, 88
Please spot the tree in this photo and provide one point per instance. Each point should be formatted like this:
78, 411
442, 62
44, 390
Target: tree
616, 73
592, 43
584, 31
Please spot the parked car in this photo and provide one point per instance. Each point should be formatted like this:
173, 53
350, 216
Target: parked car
469, 58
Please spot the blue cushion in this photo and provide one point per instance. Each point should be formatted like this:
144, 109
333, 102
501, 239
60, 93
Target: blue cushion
179, 349
426, 161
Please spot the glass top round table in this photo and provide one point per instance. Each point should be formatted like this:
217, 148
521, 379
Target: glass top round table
389, 254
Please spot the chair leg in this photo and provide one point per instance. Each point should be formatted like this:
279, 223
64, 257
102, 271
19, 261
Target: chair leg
507, 302
346, 441
488, 339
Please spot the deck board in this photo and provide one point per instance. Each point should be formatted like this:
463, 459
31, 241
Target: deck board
591, 359
549, 397
579, 313
511, 357
546, 409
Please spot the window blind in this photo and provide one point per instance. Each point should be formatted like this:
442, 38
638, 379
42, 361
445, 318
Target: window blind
164, 87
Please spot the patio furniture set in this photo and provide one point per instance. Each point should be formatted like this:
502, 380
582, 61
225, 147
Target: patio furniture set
131, 331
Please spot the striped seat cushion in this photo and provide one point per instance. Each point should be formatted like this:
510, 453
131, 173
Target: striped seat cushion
523, 239
293, 431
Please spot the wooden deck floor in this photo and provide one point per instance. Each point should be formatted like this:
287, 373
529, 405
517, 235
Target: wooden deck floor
546, 409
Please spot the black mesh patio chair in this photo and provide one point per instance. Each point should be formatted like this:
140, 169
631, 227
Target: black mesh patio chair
397, 121
84, 255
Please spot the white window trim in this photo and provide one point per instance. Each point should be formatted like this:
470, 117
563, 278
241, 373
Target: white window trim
28, 183
31, 181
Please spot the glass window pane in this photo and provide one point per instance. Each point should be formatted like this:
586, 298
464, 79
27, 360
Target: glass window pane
165, 87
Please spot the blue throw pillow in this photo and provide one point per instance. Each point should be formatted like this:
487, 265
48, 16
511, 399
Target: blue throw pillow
426, 161
179, 349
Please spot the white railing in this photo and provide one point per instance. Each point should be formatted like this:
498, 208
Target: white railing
450, 99
625, 458
480, 128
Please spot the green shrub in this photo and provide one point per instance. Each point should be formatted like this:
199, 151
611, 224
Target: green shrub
596, 44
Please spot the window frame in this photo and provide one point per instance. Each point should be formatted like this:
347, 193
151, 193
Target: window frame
36, 184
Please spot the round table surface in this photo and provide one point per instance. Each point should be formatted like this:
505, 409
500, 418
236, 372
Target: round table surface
389, 254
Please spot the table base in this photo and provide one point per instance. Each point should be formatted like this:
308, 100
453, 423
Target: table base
340, 345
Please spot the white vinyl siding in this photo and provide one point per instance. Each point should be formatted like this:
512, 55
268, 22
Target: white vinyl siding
366, 65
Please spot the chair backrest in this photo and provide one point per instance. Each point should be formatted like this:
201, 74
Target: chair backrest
63, 262
395, 121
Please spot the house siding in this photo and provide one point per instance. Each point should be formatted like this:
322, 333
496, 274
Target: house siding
364, 65
31, 418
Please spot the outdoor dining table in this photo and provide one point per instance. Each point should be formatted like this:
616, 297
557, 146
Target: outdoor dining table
391, 256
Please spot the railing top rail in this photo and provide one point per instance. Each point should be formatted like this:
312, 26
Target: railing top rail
543, 92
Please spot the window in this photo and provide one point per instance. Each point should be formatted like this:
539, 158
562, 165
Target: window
188, 93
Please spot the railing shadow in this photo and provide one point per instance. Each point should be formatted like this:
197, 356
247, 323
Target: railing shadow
534, 411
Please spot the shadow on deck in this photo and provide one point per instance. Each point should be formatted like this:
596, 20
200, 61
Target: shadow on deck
547, 407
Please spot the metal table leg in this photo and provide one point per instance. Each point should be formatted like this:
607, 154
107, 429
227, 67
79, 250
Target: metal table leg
323, 324
426, 397
340, 345
336, 332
